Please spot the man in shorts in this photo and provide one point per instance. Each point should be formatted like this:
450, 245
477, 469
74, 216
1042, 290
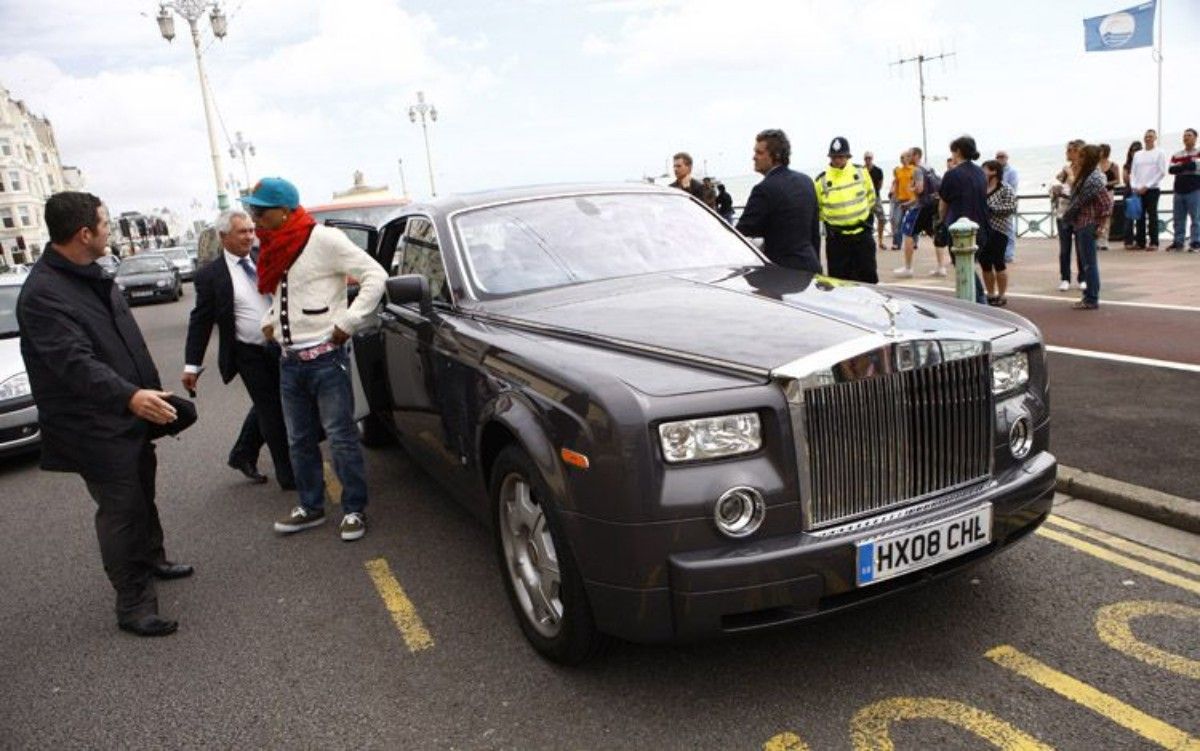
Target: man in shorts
918, 218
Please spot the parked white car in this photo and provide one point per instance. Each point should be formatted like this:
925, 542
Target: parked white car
18, 415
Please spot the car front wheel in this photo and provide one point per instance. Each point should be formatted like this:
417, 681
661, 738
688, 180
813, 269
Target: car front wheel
539, 571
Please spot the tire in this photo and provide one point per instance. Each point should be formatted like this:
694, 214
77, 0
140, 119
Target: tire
372, 433
554, 616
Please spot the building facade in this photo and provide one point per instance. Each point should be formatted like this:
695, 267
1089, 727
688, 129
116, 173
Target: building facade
30, 172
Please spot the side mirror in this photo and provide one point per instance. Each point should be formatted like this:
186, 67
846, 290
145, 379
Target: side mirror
410, 288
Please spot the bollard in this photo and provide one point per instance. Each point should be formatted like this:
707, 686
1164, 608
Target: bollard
962, 247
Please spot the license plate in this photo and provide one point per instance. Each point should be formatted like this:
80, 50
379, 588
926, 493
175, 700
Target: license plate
145, 293
887, 557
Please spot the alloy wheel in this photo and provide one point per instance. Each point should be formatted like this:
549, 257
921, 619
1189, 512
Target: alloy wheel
532, 561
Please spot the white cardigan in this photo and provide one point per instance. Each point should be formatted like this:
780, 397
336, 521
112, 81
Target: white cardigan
310, 299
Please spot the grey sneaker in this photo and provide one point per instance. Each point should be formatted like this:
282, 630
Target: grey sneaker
354, 526
300, 519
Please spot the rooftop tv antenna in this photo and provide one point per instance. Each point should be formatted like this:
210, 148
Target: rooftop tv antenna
922, 60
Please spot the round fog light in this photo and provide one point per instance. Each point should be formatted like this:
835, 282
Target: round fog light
739, 511
1020, 437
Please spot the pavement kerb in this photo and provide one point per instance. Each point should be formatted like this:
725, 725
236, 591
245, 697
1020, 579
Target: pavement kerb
1164, 508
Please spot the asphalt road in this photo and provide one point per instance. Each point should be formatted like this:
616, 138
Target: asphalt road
286, 642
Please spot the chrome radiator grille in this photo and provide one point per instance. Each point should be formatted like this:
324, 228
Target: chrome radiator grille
884, 442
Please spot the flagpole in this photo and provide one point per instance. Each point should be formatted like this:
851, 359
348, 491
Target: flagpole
1159, 55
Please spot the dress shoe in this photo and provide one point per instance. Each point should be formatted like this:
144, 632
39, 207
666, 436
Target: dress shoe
168, 570
250, 470
149, 625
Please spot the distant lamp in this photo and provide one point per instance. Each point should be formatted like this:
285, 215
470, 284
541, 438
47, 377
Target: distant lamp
220, 24
166, 24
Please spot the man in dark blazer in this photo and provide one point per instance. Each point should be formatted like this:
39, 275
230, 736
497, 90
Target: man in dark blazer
97, 392
227, 296
782, 208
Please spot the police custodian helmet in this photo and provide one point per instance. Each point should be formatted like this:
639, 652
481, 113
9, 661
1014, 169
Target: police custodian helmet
839, 147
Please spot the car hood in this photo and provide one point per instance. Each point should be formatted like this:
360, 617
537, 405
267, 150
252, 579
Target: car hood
10, 358
130, 280
756, 318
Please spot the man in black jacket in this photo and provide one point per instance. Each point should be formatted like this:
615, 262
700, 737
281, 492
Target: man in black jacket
97, 392
227, 295
782, 208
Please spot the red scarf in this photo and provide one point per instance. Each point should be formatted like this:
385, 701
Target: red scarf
279, 248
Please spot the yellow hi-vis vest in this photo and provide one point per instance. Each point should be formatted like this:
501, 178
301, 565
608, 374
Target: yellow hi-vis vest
845, 197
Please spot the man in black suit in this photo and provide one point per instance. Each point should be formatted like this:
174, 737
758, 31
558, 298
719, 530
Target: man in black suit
97, 392
782, 208
227, 295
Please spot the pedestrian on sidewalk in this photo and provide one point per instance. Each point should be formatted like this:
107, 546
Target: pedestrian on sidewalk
724, 203
846, 197
1002, 204
963, 193
1060, 194
782, 207
877, 181
1090, 202
1010, 178
1112, 181
681, 165
227, 297
304, 266
920, 215
901, 196
99, 396
1127, 191
1146, 175
1184, 166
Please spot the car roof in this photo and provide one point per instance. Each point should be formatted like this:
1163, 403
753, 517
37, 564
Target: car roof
460, 201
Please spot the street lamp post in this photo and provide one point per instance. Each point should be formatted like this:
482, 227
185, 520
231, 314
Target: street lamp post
403, 182
422, 109
241, 146
192, 10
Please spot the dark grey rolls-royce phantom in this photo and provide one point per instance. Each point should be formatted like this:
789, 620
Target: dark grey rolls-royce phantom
673, 438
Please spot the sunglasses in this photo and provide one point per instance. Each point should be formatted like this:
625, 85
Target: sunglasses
257, 211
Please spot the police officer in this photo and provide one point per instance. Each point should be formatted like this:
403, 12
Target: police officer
846, 198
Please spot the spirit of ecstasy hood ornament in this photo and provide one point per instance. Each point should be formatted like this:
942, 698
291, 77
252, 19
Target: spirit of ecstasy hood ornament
892, 308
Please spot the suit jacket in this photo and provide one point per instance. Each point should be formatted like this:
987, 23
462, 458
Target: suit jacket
85, 357
214, 305
782, 210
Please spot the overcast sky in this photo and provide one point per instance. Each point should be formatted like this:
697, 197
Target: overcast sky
533, 91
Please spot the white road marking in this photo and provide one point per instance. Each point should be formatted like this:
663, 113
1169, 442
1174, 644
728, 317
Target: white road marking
1187, 367
1065, 297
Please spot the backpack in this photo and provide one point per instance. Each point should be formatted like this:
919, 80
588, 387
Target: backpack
933, 185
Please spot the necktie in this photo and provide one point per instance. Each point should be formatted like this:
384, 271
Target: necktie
249, 269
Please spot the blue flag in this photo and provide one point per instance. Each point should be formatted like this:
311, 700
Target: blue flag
1123, 30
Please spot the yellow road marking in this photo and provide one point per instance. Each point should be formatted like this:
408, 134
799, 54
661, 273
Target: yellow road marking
869, 727
1132, 564
1133, 548
1150, 728
333, 487
785, 742
416, 636
1112, 624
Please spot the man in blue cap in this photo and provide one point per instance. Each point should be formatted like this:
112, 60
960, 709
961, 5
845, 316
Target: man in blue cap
304, 267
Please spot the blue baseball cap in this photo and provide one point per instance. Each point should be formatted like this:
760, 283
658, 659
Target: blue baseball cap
270, 192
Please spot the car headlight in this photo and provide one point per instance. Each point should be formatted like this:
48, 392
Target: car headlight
1010, 372
710, 437
161, 283
15, 387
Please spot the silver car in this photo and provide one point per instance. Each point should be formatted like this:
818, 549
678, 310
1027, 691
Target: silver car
179, 257
18, 415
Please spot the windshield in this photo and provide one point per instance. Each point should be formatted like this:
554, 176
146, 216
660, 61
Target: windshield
8, 310
520, 247
143, 265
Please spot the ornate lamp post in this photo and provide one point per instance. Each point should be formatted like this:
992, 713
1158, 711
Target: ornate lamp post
241, 146
192, 10
422, 109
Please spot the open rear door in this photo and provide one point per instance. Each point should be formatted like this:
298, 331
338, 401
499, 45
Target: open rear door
365, 346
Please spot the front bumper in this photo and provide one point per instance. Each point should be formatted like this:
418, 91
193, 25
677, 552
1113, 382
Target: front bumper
788, 578
19, 430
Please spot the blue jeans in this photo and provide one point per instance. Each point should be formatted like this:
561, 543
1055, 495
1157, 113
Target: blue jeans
1187, 205
1065, 233
1085, 246
317, 394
